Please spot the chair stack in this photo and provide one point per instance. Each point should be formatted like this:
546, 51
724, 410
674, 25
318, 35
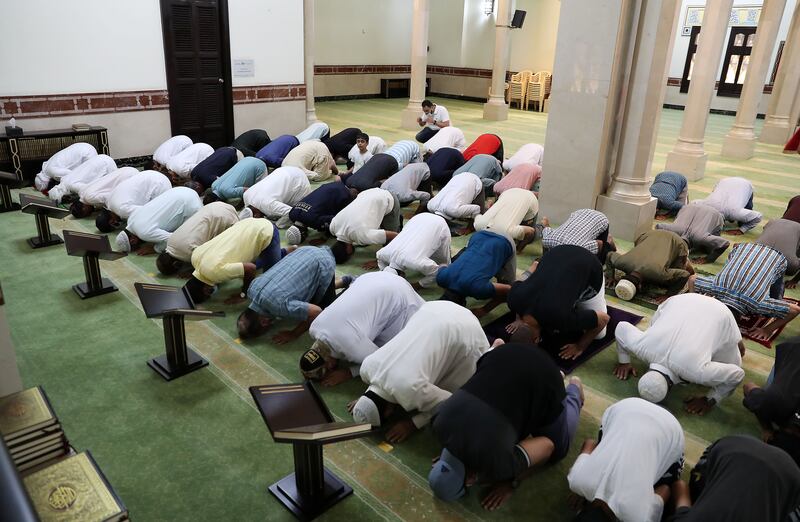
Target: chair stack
527, 88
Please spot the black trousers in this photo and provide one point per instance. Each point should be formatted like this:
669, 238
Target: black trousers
425, 134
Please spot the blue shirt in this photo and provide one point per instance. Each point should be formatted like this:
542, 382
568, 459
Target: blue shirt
286, 289
275, 151
245, 173
472, 271
443, 162
214, 166
319, 207
485, 167
668, 186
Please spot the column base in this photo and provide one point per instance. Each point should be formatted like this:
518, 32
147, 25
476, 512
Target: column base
775, 133
311, 116
628, 220
495, 111
690, 165
738, 147
408, 120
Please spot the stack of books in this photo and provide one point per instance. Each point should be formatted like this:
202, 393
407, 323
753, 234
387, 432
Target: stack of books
30, 429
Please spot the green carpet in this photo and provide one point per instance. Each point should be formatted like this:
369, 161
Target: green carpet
196, 449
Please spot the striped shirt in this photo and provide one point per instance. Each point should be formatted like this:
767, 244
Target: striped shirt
405, 152
743, 283
668, 186
582, 228
286, 289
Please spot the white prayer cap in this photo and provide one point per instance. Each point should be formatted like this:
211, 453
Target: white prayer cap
293, 235
391, 270
625, 290
366, 411
123, 242
653, 386
239, 155
245, 213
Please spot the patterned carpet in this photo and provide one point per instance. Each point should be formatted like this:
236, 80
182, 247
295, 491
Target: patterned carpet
196, 449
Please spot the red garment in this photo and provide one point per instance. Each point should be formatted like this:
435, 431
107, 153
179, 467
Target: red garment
522, 176
794, 143
793, 209
485, 144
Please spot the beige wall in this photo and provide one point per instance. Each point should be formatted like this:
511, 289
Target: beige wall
350, 84
276, 118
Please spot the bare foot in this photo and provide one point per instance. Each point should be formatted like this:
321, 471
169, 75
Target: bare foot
700, 260
662, 217
370, 265
498, 495
760, 334
498, 342
463, 231
734, 232
577, 382
351, 405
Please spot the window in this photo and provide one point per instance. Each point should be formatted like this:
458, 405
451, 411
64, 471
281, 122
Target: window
737, 61
689, 66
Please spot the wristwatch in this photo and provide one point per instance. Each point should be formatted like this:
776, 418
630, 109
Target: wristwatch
242, 295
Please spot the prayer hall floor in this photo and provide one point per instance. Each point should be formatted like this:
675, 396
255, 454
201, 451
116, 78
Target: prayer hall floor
196, 448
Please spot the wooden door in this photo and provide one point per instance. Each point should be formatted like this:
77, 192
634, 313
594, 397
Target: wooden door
197, 54
737, 61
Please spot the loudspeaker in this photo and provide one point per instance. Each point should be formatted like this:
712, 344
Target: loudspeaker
518, 20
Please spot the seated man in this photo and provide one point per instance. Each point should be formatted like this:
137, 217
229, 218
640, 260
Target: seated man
692, 338
450, 137
314, 158
462, 198
90, 170
585, 228
218, 163
658, 257
562, 301
423, 246
671, 190
486, 256
783, 235
777, 404
247, 246
433, 118
485, 167
274, 196
525, 176
250, 142
167, 150
443, 163
627, 473
373, 218
490, 144
204, 225
340, 143
433, 356
507, 419
274, 152
95, 194
155, 221
130, 195
62, 163
374, 309
365, 147
734, 198
793, 210
179, 166
317, 209
318, 130
413, 183
700, 226
298, 288
512, 215
744, 283
739, 479
531, 153
232, 184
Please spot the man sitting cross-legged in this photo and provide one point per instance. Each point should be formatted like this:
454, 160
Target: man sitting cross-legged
274, 196
233, 183
318, 209
298, 288
512, 416
462, 198
366, 146
586, 228
512, 215
700, 225
372, 311
562, 301
658, 257
734, 198
433, 356
95, 195
373, 218
423, 246
692, 338
128, 196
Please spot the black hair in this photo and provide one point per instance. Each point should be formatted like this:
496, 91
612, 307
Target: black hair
103, 221
80, 210
362, 136
210, 197
167, 264
341, 252
427, 103
195, 185
196, 289
249, 324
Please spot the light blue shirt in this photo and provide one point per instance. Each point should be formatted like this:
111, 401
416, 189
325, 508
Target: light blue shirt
155, 221
244, 174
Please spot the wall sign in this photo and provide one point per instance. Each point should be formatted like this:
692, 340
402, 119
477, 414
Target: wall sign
741, 15
244, 68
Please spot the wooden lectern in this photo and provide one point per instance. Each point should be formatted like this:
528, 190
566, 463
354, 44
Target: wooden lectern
296, 414
173, 305
42, 209
7, 179
92, 248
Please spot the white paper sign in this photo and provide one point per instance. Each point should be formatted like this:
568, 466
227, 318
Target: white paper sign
244, 68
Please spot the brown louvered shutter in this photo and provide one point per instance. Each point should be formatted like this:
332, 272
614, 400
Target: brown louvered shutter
198, 70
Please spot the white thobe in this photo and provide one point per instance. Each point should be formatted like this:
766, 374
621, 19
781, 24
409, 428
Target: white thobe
455, 199
451, 137
136, 191
514, 206
90, 170
422, 246
98, 191
692, 338
641, 440
63, 162
372, 311
183, 162
359, 223
155, 221
276, 194
532, 153
730, 196
315, 131
433, 356
170, 148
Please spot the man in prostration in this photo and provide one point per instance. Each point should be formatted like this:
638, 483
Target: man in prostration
525, 176
382, 165
449, 137
700, 225
734, 198
62, 163
318, 130
129, 196
218, 163
531, 153
462, 198
512, 215
412, 183
373, 218
317, 209
233, 183
95, 194
486, 167
342, 142
90, 170
671, 190
274, 196
180, 166
443, 163
586, 228
314, 158
422, 247
274, 152
250, 142
168, 149
783, 235
490, 144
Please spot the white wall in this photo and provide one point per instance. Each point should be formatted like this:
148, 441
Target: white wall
445, 32
534, 46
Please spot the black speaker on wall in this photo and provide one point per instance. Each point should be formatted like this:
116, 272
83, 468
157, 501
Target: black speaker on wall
519, 19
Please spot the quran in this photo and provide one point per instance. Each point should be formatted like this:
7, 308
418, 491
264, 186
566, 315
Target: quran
30, 429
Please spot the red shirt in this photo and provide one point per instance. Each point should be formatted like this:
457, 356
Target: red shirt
485, 144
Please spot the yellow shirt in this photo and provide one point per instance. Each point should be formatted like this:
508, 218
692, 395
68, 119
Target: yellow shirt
223, 258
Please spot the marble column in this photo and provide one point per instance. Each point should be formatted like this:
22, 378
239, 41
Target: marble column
419, 64
688, 156
308, 47
496, 107
777, 127
740, 142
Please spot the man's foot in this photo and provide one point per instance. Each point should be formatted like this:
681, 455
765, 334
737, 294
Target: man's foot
734, 232
525, 242
760, 334
463, 231
498, 342
698, 405
662, 217
293, 235
575, 380
700, 260
370, 265
498, 495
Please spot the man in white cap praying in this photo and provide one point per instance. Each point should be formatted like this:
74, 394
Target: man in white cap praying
95, 194
692, 338
130, 195
433, 356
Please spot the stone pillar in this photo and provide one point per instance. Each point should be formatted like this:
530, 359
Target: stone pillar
308, 47
740, 142
688, 157
10, 381
777, 127
419, 64
496, 107
608, 90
